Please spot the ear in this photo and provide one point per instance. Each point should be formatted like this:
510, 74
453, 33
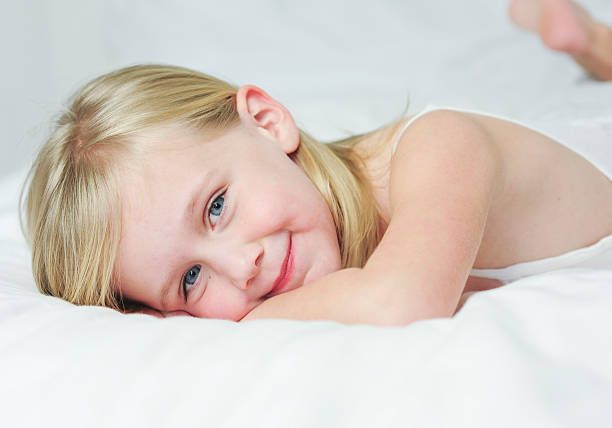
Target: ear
263, 113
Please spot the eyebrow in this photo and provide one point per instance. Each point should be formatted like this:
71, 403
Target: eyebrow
196, 193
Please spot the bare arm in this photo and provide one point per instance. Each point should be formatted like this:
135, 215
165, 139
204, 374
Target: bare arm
443, 179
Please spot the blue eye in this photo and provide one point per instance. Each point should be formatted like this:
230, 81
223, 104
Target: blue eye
216, 209
189, 279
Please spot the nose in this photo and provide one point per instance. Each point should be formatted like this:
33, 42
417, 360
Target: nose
241, 263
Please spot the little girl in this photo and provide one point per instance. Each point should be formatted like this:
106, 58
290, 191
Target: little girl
170, 189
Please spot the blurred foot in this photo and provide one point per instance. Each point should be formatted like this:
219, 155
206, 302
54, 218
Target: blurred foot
561, 24
565, 26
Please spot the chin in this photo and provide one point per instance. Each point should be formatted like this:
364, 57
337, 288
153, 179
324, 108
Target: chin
322, 270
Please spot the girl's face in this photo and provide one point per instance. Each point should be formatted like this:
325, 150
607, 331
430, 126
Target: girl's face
212, 226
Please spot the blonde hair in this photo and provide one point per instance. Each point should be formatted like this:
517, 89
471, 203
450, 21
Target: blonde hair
72, 204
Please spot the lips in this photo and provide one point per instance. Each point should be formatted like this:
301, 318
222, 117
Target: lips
285, 272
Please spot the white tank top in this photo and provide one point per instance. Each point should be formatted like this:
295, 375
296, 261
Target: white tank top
590, 139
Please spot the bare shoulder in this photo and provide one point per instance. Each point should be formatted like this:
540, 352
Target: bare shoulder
519, 159
448, 124
447, 131
444, 176
450, 143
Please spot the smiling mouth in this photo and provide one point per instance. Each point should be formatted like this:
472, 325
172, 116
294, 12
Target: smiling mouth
285, 272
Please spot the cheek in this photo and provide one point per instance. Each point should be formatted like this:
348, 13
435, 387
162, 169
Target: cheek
266, 212
326, 260
222, 303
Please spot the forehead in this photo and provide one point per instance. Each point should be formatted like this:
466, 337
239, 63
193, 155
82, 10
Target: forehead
154, 155
155, 181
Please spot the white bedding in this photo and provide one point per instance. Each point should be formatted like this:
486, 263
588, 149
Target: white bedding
537, 352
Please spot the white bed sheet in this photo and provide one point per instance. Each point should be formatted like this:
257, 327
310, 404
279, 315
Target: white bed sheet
537, 352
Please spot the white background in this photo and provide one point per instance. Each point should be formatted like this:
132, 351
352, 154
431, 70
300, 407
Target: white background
340, 66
